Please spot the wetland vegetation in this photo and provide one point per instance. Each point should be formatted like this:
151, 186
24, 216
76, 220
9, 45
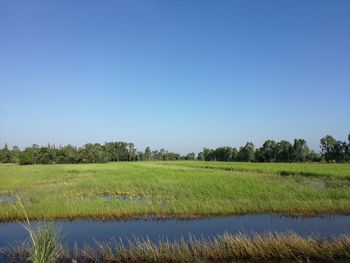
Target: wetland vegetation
222, 248
174, 189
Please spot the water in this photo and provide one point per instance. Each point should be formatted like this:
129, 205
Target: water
85, 231
7, 199
126, 198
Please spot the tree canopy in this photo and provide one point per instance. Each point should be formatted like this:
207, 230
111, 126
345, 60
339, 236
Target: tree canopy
332, 150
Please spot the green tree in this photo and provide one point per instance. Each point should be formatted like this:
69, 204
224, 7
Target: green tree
190, 156
284, 151
300, 150
246, 153
200, 156
314, 156
15, 154
5, 155
26, 157
148, 154
269, 151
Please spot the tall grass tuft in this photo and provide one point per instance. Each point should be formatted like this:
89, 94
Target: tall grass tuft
45, 245
44, 240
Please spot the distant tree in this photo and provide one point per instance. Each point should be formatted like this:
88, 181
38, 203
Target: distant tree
259, 155
347, 157
284, 150
223, 154
93, 153
209, 154
5, 155
328, 145
26, 157
314, 156
148, 154
190, 156
46, 155
68, 154
300, 150
200, 156
131, 151
246, 153
111, 151
15, 154
269, 151
333, 150
234, 157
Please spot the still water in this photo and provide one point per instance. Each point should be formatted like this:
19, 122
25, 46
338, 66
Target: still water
86, 231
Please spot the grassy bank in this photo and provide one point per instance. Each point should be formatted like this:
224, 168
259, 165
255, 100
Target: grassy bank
223, 248
327, 170
174, 189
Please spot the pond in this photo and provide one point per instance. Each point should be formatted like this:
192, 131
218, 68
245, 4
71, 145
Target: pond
86, 231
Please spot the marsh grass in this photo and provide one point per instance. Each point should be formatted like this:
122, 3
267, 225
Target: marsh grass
223, 248
44, 245
174, 189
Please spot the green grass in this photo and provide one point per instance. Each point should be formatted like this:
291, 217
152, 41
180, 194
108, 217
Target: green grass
306, 169
174, 189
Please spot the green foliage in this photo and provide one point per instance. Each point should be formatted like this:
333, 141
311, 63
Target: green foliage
271, 151
45, 245
300, 150
333, 150
191, 156
148, 154
284, 151
5, 155
246, 153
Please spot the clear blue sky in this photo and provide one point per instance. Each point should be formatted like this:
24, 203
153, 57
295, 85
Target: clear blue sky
175, 74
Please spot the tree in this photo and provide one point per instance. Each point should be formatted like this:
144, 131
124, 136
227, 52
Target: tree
284, 150
269, 151
208, 154
15, 154
131, 151
259, 155
26, 157
111, 151
314, 156
190, 156
200, 156
5, 155
223, 154
246, 153
93, 153
333, 150
148, 154
327, 145
347, 157
300, 150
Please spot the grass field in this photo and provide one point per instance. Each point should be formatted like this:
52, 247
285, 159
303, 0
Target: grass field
174, 189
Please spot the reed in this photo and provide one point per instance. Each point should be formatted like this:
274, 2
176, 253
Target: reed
44, 245
241, 247
222, 248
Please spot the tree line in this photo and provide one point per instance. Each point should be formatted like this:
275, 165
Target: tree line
89, 153
331, 150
